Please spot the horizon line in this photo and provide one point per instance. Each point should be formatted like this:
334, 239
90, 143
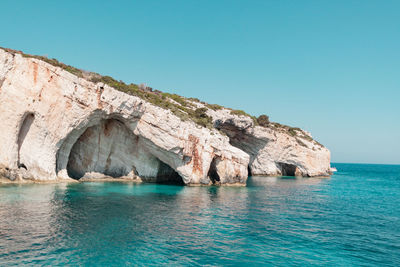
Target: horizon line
364, 163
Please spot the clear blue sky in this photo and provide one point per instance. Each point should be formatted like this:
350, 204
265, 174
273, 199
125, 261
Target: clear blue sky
330, 67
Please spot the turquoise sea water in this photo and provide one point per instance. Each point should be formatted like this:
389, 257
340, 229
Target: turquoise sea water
352, 218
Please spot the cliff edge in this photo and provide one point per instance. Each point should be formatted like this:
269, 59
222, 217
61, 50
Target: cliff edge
61, 123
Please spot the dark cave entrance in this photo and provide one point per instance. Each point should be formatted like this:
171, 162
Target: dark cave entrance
110, 148
167, 175
248, 170
212, 172
287, 169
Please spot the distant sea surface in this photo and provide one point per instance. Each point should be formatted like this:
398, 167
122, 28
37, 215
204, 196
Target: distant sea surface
352, 218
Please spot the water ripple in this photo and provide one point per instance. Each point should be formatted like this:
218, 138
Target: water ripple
352, 218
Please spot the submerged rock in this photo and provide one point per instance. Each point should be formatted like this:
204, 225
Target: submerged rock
57, 126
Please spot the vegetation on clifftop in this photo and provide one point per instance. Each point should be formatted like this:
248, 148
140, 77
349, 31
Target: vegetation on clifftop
178, 105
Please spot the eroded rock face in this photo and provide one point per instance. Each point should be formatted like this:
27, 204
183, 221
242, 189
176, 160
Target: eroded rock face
111, 149
274, 151
58, 126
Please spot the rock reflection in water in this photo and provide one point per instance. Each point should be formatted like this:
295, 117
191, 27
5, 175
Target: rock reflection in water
275, 220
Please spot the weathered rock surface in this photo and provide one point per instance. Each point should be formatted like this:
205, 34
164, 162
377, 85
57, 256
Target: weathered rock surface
274, 150
57, 126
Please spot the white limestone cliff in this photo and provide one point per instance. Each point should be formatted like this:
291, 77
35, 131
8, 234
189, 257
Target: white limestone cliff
275, 150
49, 115
57, 126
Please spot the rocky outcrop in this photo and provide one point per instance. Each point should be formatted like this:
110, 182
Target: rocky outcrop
275, 149
58, 126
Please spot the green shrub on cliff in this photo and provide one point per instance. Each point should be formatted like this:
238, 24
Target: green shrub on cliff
180, 107
214, 106
263, 120
242, 113
177, 98
239, 112
201, 117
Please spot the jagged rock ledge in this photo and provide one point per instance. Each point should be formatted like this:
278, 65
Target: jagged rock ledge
58, 125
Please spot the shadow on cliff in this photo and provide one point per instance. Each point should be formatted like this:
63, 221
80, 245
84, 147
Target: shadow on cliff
108, 147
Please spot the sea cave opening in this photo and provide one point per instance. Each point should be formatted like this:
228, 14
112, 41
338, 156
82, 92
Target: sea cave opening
287, 169
248, 170
111, 149
212, 172
167, 175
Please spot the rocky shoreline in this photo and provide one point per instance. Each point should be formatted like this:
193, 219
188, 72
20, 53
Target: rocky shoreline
60, 123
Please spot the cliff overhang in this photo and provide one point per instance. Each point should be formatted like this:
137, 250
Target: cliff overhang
62, 123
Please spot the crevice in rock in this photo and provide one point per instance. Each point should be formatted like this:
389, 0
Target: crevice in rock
21, 165
212, 172
2, 81
249, 170
26, 124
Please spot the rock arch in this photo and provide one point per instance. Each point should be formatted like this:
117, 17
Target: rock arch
240, 138
108, 147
